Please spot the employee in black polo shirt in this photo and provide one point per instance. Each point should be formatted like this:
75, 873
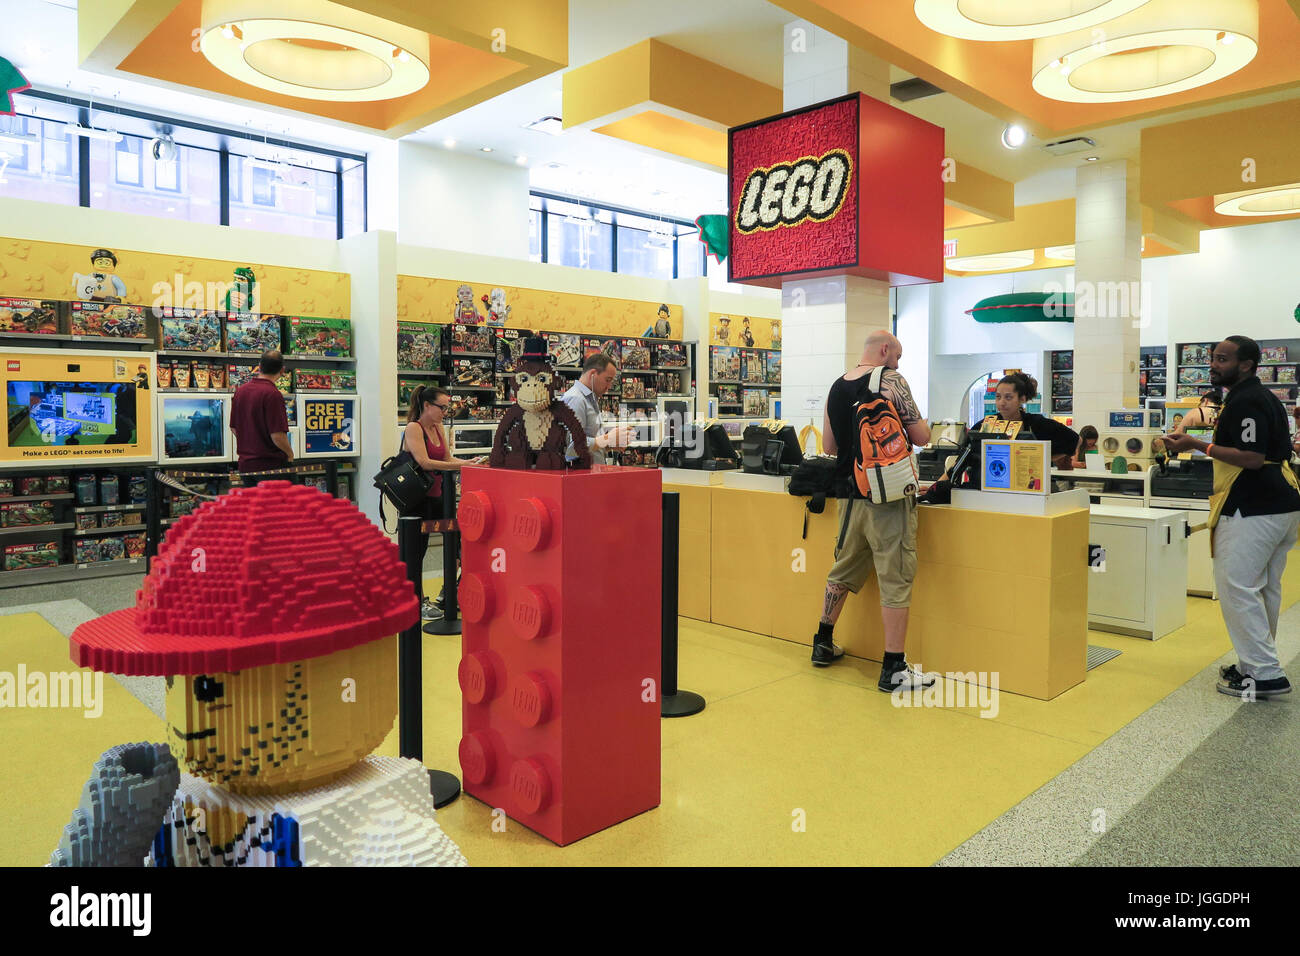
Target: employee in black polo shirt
1254, 516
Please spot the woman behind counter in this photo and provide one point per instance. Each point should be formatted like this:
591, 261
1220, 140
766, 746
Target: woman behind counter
1013, 391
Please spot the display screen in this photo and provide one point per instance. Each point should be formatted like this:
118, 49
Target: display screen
71, 413
194, 427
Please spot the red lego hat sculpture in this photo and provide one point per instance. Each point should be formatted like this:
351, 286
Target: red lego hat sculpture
272, 573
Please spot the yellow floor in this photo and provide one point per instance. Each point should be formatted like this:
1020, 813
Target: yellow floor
780, 742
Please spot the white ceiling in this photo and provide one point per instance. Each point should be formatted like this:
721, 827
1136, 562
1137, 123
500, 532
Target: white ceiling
741, 35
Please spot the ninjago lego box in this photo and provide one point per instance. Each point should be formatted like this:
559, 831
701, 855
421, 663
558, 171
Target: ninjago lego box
29, 316
86, 550
23, 514
189, 330
253, 334
310, 336
24, 557
109, 320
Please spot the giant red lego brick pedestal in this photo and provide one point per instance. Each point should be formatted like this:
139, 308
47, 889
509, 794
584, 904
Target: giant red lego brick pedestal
559, 672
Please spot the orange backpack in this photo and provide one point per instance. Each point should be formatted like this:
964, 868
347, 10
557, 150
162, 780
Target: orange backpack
883, 467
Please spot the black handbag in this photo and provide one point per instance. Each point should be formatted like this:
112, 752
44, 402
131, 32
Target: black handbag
814, 478
404, 482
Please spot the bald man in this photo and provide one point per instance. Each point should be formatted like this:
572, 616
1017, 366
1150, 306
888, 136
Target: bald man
879, 535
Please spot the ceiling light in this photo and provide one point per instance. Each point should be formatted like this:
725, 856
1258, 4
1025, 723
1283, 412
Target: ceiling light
1017, 19
99, 194
109, 135
521, 160
1162, 47
1271, 201
1014, 136
547, 124
171, 208
326, 52
1059, 252
448, 143
998, 262
1226, 38
485, 149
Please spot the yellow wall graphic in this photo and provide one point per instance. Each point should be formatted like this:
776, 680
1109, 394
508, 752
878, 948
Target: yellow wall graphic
46, 270
728, 329
422, 299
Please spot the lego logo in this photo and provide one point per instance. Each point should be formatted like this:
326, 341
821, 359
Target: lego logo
787, 194
531, 524
15, 366
525, 525
529, 613
523, 614
531, 785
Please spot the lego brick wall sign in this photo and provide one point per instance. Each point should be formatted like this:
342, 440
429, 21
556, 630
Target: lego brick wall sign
849, 186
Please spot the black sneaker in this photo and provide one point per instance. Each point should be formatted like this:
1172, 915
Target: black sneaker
1250, 688
823, 655
902, 676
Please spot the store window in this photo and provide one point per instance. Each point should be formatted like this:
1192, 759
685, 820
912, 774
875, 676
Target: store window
43, 169
690, 255
125, 177
579, 236
534, 235
280, 197
645, 247
353, 182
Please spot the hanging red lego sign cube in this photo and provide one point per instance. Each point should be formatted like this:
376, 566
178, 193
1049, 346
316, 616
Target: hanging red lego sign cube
850, 186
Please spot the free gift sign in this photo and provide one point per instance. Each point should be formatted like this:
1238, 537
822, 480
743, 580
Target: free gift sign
849, 186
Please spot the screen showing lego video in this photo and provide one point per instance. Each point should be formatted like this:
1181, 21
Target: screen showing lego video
71, 413
194, 427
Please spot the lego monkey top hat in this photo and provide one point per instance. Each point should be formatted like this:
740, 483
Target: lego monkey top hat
535, 349
272, 573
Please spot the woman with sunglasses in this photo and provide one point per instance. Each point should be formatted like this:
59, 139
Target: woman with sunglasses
426, 440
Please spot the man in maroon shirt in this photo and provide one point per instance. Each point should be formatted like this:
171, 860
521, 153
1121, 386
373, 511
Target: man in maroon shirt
258, 419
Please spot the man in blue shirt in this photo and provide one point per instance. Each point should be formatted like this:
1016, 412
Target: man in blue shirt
598, 374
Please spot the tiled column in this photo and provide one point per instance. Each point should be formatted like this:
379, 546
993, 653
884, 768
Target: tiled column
826, 321
1107, 289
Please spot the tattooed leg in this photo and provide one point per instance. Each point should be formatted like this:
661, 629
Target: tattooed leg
834, 603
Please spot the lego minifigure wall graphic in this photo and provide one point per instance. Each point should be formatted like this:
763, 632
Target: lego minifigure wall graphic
272, 612
102, 283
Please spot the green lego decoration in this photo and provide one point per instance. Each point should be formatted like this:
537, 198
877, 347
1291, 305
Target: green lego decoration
715, 233
11, 82
241, 296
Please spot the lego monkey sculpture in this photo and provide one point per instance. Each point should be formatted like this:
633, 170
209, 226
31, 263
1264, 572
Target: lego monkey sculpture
532, 431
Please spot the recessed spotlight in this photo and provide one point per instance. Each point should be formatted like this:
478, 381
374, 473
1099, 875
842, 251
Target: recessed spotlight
1090, 159
1014, 136
228, 31
99, 195
248, 219
171, 208
403, 56
485, 149
1226, 38
521, 160
449, 143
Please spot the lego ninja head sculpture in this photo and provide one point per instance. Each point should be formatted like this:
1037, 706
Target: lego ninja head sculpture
271, 611
532, 433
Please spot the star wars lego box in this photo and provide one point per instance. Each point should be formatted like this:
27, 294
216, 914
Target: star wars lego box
189, 330
29, 316
636, 354
611, 347
564, 349
310, 336
466, 372
470, 338
670, 355
24, 557
253, 334
109, 320
419, 347
509, 346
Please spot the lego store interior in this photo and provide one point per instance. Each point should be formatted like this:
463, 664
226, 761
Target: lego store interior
608, 258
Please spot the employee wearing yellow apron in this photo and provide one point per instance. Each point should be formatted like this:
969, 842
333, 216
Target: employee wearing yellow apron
1254, 516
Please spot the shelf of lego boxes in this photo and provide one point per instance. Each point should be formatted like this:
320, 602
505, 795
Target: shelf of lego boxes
88, 522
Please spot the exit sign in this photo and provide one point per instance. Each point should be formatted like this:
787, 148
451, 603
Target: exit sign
949, 248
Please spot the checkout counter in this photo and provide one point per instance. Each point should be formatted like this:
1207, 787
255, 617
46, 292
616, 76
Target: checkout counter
1001, 583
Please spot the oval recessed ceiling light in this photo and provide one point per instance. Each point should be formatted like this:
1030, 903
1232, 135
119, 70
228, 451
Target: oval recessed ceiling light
449, 143
521, 160
1059, 252
485, 149
1017, 19
1270, 201
1162, 47
995, 262
1014, 136
314, 49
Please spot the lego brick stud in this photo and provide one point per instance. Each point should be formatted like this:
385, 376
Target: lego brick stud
475, 516
530, 612
530, 525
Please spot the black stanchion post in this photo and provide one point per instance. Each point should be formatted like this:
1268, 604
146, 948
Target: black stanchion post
332, 477
674, 702
152, 516
445, 787
450, 622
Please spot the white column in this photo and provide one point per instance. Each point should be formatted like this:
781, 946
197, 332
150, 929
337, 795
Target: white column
825, 322
1107, 289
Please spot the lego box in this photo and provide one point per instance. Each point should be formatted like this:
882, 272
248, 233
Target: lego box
22, 514
253, 334
29, 316
470, 338
308, 336
24, 557
109, 320
86, 550
325, 380
135, 544
565, 349
190, 330
419, 347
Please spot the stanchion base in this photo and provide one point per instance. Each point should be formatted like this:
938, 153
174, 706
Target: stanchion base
443, 626
684, 703
444, 786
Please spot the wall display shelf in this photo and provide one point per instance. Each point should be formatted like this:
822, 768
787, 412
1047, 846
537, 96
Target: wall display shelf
734, 369
1279, 369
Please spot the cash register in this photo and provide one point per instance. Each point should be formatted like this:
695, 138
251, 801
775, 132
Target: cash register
1191, 477
946, 440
